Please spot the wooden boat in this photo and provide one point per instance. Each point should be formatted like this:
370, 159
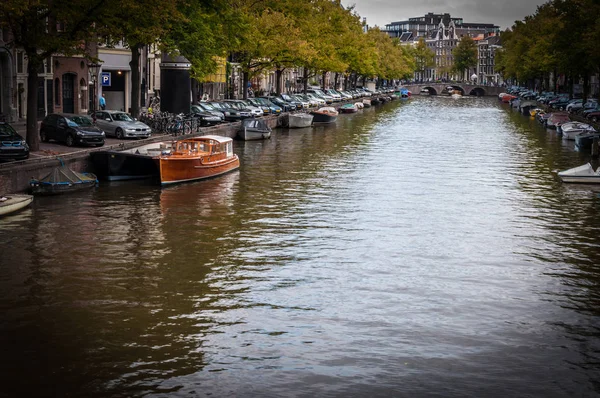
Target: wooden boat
326, 114
254, 129
62, 180
300, 120
13, 202
348, 108
582, 174
198, 158
135, 163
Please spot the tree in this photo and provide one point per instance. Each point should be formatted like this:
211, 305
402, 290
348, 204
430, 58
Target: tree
44, 28
423, 56
465, 55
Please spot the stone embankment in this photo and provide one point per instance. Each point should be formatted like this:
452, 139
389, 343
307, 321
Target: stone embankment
15, 176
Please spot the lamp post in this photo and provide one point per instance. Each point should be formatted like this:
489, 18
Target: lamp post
94, 68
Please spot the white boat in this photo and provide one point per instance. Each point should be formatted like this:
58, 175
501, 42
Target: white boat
582, 174
456, 96
254, 129
366, 102
11, 203
359, 105
571, 130
300, 120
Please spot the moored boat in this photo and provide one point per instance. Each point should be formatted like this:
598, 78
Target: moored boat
323, 115
586, 139
359, 105
62, 180
570, 130
348, 108
300, 120
366, 102
135, 163
254, 129
198, 158
13, 202
582, 174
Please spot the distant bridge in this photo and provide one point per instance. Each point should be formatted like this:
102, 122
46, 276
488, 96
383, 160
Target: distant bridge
465, 89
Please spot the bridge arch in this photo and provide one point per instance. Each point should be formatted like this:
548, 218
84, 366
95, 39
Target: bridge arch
452, 87
430, 90
477, 91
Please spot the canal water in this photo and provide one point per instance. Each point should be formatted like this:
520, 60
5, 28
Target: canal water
416, 249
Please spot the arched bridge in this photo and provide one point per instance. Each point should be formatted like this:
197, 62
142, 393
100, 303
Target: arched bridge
465, 89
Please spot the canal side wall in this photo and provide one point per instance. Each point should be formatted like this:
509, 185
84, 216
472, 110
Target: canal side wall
15, 176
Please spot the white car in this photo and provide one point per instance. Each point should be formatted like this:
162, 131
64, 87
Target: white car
320, 101
336, 96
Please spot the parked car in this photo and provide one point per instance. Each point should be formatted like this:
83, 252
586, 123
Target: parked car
590, 104
12, 145
231, 113
71, 129
121, 125
245, 106
320, 94
334, 94
312, 103
206, 107
273, 109
266, 110
206, 118
299, 104
286, 106
594, 116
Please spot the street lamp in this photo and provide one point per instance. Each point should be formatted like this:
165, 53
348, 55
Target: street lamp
94, 68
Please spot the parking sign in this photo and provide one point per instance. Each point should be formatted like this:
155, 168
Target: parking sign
105, 77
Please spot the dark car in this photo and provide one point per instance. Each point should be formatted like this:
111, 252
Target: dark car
286, 106
12, 145
71, 129
205, 118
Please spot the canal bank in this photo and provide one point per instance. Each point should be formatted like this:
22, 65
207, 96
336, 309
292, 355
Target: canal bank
15, 176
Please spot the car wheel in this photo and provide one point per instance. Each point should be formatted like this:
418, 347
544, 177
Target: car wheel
70, 140
119, 133
44, 136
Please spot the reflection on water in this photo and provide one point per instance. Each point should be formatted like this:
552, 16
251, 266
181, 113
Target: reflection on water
420, 248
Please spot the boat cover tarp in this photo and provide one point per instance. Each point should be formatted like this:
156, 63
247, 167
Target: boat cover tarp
63, 174
257, 124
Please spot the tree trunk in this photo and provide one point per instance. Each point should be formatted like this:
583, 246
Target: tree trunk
278, 74
135, 79
324, 77
586, 82
305, 80
195, 92
245, 79
33, 136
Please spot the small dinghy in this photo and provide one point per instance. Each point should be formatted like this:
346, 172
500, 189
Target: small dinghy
582, 174
62, 180
300, 120
348, 108
12, 203
254, 129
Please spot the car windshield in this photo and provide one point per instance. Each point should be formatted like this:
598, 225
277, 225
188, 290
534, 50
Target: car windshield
79, 121
286, 97
122, 117
8, 133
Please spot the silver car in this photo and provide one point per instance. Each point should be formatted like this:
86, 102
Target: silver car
121, 125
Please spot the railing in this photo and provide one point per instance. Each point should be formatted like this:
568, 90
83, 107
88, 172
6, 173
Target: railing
166, 123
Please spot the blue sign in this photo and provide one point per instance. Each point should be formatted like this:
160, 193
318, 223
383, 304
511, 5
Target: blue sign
105, 77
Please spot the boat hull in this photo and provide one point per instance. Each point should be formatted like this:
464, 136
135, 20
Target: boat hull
252, 135
116, 166
46, 188
298, 121
323, 118
584, 174
14, 203
178, 170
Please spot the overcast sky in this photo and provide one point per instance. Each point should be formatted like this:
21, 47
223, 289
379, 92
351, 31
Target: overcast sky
500, 12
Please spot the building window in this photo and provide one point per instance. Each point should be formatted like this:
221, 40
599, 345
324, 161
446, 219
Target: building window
20, 56
57, 91
49, 65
